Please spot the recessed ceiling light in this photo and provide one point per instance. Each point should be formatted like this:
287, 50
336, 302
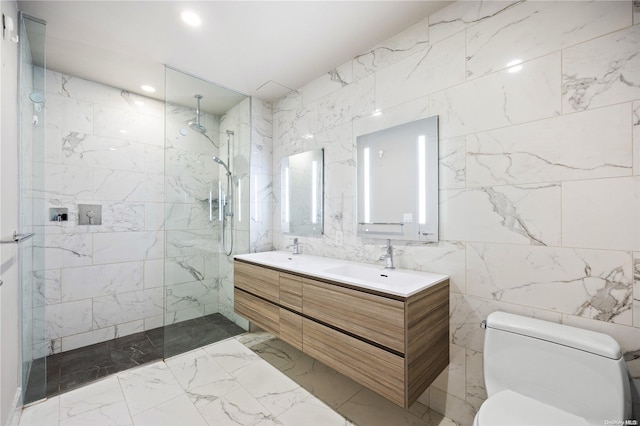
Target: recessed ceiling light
139, 103
191, 18
148, 88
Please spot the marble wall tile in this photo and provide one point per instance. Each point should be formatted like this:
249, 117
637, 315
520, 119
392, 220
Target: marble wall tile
186, 217
593, 144
462, 15
611, 79
456, 409
393, 116
92, 337
126, 307
453, 379
190, 295
122, 124
153, 273
329, 82
476, 392
602, 213
47, 286
410, 41
65, 319
81, 149
533, 29
636, 289
115, 185
189, 243
587, 283
502, 214
93, 281
127, 246
353, 101
452, 167
67, 250
184, 269
445, 257
506, 98
63, 183
440, 66
122, 217
636, 138
68, 114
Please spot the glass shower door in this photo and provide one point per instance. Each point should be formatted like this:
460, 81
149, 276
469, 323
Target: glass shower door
31, 207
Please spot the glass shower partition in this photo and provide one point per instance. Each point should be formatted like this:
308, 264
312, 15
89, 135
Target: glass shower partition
31, 207
206, 152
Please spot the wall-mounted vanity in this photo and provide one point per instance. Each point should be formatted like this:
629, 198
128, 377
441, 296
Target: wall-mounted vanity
387, 330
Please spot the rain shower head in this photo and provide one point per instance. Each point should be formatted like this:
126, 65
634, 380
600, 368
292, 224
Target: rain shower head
195, 125
222, 163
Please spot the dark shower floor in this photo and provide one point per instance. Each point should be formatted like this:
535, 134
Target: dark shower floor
71, 369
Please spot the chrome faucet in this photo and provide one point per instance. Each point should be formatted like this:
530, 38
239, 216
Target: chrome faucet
388, 256
295, 246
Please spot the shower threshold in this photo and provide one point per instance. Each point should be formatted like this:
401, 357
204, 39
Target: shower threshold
75, 368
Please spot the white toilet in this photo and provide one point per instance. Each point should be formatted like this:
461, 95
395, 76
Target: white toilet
546, 374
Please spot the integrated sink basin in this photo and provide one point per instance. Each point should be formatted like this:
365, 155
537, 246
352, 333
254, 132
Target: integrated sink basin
400, 282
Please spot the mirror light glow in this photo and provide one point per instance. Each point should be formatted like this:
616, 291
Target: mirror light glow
314, 192
422, 177
286, 195
367, 185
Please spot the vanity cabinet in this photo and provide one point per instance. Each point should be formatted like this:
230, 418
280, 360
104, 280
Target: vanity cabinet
393, 345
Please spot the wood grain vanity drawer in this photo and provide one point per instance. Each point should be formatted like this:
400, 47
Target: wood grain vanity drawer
260, 281
291, 291
291, 328
375, 368
375, 318
258, 311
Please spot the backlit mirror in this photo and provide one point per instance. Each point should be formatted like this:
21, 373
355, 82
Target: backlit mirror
302, 177
398, 182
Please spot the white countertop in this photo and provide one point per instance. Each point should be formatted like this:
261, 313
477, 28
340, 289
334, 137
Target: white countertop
398, 282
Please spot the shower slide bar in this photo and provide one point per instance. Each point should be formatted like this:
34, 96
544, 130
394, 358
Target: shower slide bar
17, 238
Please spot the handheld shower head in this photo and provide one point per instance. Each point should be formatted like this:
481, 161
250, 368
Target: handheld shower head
223, 164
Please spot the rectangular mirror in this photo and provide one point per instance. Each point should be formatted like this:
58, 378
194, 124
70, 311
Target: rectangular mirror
302, 178
398, 182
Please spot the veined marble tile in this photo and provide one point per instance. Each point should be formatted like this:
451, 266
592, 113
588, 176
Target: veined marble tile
587, 283
192, 243
65, 319
176, 411
309, 410
237, 408
594, 144
196, 368
445, 257
119, 123
636, 138
206, 394
369, 408
414, 39
101, 335
476, 392
329, 82
109, 415
602, 71
125, 307
440, 66
153, 159
90, 398
338, 143
453, 379
127, 246
456, 409
122, 217
68, 114
262, 379
101, 280
602, 213
181, 217
154, 216
506, 98
292, 120
232, 355
462, 15
181, 162
340, 178
47, 284
53, 82
153, 273
533, 29
636, 12
184, 269
174, 317
149, 386
68, 183
351, 102
87, 150
452, 163
67, 250
190, 295
115, 185
636, 290
53, 145
187, 189
502, 214
41, 413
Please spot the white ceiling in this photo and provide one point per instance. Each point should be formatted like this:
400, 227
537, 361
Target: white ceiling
259, 48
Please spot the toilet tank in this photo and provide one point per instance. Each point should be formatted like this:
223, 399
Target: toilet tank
579, 371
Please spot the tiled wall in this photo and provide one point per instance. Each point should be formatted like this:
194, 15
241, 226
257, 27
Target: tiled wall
107, 146
539, 166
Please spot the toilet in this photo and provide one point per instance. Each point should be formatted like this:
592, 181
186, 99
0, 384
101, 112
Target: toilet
545, 374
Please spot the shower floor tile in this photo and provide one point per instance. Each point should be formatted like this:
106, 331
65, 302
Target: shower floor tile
71, 369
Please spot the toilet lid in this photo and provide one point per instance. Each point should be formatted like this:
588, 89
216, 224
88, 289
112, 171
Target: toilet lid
508, 408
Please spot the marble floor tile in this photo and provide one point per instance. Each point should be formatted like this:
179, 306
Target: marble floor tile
227, 383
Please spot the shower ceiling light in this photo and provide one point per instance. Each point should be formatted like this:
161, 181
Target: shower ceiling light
191, 18
148, 88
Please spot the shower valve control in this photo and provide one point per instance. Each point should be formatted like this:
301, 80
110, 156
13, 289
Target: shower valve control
89, 214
